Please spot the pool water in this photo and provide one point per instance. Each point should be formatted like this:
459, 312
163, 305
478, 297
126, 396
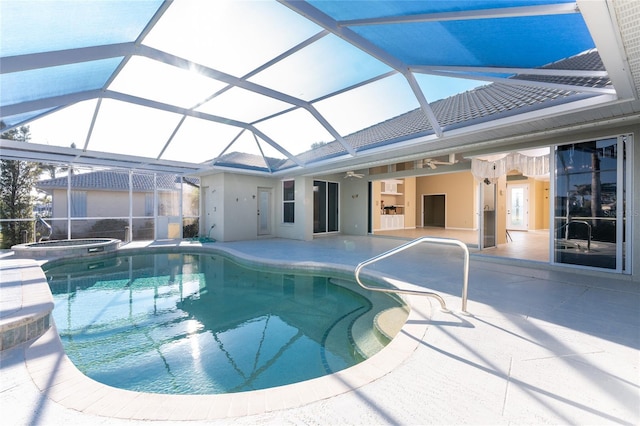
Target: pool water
202, 324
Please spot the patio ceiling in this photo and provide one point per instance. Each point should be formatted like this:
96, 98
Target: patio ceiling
190, 85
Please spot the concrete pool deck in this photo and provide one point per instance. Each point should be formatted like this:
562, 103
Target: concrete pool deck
540, 345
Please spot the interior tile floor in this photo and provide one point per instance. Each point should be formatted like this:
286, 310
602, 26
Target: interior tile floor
538, 345
524, 245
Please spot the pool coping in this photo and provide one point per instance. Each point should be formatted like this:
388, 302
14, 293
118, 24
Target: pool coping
59, 380
26, 303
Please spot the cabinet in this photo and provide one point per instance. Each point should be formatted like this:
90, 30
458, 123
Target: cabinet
392, 221
391, 205
390, 187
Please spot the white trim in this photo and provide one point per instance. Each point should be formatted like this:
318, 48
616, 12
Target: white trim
629, 190
505, 12
601, 21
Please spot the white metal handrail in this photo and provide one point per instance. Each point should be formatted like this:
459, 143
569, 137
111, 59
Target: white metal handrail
465, 280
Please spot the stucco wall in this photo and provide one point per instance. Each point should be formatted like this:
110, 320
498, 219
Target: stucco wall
302, 228
540, 207
230, 205
460, 198
354, 203
411, 210
211, 206
101, 203
377, 208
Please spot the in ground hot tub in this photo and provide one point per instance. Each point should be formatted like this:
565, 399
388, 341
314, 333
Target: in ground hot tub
66, 248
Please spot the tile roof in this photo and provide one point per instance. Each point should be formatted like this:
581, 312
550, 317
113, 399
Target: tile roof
490, 102
115, 181
249, 161
587, 61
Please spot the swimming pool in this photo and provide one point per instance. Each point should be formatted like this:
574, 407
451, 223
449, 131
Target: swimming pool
197, 323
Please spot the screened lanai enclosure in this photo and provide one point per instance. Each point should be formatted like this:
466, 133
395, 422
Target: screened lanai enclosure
291, 113
253, 86
117, 204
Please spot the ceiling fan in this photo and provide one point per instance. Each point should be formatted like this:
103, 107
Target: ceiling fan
351, 174
433, 164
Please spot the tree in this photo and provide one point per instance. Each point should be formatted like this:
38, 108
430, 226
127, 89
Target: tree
52, 169
17, 178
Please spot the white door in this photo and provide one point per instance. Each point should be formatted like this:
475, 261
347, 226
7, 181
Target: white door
518, 207
264, 208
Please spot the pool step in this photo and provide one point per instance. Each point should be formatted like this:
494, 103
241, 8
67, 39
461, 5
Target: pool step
389, 322
371, 332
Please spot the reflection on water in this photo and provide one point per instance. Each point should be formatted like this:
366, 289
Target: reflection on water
201, 324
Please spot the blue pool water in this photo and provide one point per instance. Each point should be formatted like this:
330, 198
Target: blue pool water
201, 324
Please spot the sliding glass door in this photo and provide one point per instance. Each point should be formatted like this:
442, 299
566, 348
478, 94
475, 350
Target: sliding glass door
325, 206
589, 223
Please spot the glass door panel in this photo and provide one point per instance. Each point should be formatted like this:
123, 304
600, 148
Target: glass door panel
589, 190
319, 206
488, 228
332, 207
325, 206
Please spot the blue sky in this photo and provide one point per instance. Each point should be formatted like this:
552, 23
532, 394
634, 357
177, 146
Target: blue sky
214, 39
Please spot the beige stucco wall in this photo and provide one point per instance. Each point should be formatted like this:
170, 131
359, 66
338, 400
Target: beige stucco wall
376, 189
101, 203
409, 190
460, 198
541, 204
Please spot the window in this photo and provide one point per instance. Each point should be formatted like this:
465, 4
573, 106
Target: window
288, 201
148, 204
78, 204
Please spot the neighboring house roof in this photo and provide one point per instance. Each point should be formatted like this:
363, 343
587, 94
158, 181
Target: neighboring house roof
116, 181
249, 161
490, 102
